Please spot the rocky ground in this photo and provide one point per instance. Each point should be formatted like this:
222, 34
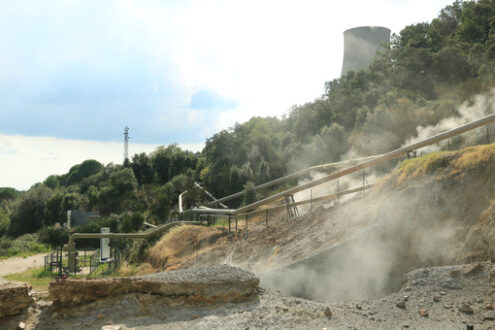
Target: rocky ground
449, 297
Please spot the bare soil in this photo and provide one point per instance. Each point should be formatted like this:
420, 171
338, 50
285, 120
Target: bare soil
19, 264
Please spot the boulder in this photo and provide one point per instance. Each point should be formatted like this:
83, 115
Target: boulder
221, 283
14, 297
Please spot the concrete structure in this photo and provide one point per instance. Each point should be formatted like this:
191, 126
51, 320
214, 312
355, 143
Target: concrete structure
104, 244
361, 44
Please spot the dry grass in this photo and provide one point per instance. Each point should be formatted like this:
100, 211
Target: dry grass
445, 163
182, 244
133, 270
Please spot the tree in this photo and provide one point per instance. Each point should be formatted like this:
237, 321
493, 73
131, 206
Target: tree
143, 168
115, 196
250, 193
7, 193
4, 223
29, 215
83, 170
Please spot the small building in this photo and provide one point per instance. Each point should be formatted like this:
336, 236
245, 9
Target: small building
80, 217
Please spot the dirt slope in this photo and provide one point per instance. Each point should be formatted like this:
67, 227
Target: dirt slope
431, 211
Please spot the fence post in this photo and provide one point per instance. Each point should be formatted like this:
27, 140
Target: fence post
230, 217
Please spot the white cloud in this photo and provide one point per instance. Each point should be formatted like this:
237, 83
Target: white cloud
264, 55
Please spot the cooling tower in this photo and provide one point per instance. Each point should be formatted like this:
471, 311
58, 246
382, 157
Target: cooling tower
361, 45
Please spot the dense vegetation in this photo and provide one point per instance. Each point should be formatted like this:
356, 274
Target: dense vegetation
429, 69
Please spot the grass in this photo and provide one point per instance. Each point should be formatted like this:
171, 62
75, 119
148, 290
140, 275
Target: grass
420, 166
447, 163
38, 278
22, 246
25, 254
181, 244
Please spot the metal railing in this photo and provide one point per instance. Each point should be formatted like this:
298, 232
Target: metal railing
71, 245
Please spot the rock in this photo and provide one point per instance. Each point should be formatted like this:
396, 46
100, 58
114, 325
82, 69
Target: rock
111, 327
472, 269
328, 313
465, 308
408, 288
436, 298
285, 309
358, 306
220, 283
405, 325
405, 298
43, 303
443, 293
21, 325
490, 315
489, 306
401, 304
14, 297
455, 272
423, 312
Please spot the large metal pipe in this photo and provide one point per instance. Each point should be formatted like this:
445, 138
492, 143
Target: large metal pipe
210, 195
327, 198
375, 161
292, 176
71, 245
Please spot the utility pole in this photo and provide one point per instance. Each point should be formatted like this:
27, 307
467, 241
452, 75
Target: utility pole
126, 144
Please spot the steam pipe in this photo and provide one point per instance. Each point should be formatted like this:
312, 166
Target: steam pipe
180, 201
71, 245
313, 200
291, 176
210, 195
375, 161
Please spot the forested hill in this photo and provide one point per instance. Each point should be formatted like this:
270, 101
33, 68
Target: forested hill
428, 71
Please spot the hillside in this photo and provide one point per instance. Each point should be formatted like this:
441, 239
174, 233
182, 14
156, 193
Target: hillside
435, 75
430, 211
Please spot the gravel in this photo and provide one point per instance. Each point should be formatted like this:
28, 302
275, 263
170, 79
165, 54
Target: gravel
431, 296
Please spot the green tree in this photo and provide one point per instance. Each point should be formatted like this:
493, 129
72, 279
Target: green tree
29, 215
83, 170
143, 168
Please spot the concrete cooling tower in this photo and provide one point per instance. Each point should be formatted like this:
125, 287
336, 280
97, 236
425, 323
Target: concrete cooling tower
361, 45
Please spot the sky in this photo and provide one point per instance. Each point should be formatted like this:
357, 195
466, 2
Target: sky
74, 73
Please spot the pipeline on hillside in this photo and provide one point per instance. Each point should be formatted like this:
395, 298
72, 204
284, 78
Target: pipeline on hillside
71, 245
231, 212
291, 176
374, 160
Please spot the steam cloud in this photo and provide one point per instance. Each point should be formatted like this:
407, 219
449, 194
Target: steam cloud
481, 106
424, 224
